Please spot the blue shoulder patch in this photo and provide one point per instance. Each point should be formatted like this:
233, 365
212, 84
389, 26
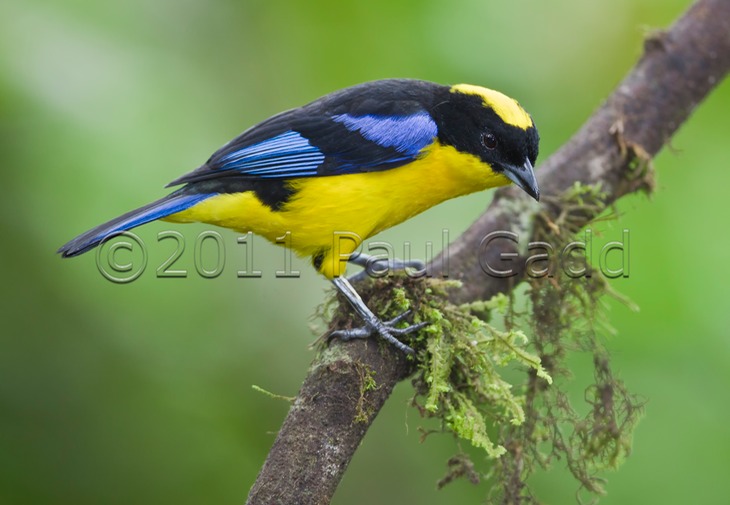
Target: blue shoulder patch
406, 134
286, 155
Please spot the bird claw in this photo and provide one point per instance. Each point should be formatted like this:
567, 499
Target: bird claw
385, 329
381, 267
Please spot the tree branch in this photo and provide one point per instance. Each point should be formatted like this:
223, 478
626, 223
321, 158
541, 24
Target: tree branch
349, 383
344, 390
679, 68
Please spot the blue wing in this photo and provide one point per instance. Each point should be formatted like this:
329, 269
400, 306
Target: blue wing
305, 143
286, 155
406, 134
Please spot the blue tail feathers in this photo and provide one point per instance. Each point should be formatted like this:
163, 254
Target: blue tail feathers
172, 203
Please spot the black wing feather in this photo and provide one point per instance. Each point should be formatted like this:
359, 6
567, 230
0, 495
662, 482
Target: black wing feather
372, 126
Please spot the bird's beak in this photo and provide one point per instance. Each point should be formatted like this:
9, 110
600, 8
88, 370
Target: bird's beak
524, 177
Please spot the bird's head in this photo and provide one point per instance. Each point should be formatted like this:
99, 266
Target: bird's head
492, 127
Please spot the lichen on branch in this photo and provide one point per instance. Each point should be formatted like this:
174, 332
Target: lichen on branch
465, 378
459, 378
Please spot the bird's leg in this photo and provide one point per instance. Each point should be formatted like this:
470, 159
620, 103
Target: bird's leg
379, 267
373, 325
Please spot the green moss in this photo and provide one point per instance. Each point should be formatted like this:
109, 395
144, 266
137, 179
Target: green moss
462, 367
366, 375
567, 318
479, 375
577, 205
275, 396
461, 361
639, 169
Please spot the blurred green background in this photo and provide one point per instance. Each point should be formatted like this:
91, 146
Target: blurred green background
141, 393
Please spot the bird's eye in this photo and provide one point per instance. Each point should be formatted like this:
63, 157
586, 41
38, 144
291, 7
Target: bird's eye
489, 141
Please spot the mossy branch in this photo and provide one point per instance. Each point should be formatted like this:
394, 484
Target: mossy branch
348, 383
613, 149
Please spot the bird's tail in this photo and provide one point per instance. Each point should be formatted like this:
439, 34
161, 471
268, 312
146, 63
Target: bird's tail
172, 203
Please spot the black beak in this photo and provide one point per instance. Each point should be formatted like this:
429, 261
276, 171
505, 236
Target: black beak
524, 177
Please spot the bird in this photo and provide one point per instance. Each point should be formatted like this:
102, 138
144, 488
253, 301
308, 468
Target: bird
358, 160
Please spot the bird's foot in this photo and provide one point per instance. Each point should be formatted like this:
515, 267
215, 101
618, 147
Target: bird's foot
380, 267
385, 329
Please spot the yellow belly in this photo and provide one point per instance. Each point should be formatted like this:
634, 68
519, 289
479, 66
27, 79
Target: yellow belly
330, 216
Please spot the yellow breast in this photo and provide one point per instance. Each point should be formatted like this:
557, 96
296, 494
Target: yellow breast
330, 216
